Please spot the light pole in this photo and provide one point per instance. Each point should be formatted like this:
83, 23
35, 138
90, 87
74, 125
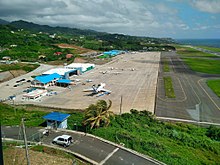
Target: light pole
75, 126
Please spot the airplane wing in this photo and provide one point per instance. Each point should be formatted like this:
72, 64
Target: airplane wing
106, 90
88, 90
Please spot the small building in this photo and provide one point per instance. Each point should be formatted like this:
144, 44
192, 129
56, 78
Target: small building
56, 120
6, 58
41, 57
83, 67
45, 81
112, 53
36, 94
68, 56
57, 53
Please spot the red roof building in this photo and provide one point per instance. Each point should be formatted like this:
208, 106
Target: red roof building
69, 56
57, 53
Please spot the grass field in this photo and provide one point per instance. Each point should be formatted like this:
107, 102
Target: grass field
199, 61
166, 67
190, 52
12, 116
18, 66
215, 86
210, 48
169, 91
203, 65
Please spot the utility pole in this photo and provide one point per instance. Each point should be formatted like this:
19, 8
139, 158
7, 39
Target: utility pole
25, 142
1, 152
120, 106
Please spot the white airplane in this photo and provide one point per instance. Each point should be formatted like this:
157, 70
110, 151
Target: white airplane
97, 89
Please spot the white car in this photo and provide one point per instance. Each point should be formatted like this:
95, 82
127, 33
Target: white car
64, 140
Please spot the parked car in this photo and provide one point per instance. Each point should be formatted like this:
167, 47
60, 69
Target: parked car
64, 140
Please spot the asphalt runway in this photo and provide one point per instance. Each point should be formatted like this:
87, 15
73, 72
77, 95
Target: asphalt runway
194, 99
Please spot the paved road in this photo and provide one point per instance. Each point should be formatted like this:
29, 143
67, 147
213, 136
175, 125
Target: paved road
98, 151
194, 100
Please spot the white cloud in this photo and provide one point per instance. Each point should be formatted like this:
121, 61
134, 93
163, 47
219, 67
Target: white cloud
210, 6
183, 26
142, 17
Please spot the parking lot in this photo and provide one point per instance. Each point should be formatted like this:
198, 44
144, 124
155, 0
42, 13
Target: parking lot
132, 78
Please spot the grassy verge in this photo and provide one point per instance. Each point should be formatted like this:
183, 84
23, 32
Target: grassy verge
168, 142
12, 116
166, 67
37, 154
169, 91
197, 60
210, 48
19, 66
190, 52
203, 65
215, 86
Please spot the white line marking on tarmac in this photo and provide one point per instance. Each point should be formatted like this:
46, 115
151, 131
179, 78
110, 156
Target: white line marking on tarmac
208, 94
188, 121
109, 155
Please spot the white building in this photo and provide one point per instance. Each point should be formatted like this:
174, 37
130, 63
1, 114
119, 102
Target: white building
63, 72
36, 94
83, 67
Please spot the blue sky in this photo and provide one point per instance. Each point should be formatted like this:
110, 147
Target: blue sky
154, 18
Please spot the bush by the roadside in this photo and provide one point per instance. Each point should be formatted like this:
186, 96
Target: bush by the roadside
172, 143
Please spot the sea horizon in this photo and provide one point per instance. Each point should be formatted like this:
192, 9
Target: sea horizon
200, 42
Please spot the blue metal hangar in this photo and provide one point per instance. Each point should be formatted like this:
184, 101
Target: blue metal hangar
45, 81
56, 120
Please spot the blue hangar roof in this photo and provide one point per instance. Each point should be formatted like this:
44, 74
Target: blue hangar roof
65, 81
47, 78
57, 116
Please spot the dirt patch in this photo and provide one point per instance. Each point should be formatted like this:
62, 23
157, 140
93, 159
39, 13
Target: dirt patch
79, 60
17, 156
78, 49
8, 75
17, 73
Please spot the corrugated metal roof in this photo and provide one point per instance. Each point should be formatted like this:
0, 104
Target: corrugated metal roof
47, 78
56, 116
66, 81
60, 71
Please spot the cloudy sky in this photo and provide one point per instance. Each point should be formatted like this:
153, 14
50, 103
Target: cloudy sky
155, 18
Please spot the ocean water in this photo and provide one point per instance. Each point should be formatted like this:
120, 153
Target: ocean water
197, 42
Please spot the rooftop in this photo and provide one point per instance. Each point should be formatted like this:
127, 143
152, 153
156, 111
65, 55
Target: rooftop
47, 78
56, 116
60, 71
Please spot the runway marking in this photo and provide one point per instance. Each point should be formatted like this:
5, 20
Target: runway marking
207, 94
188, 121
188, 81
109, 155
182, 100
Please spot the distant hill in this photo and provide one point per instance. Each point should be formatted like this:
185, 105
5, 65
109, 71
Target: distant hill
48, 29
77, 32
23, 41
3, 22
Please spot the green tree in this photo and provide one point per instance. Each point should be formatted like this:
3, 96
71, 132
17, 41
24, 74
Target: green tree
98, 115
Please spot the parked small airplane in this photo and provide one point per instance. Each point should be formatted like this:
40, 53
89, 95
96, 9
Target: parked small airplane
97, 89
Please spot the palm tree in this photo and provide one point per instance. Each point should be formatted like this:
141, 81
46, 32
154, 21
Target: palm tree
98, 114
